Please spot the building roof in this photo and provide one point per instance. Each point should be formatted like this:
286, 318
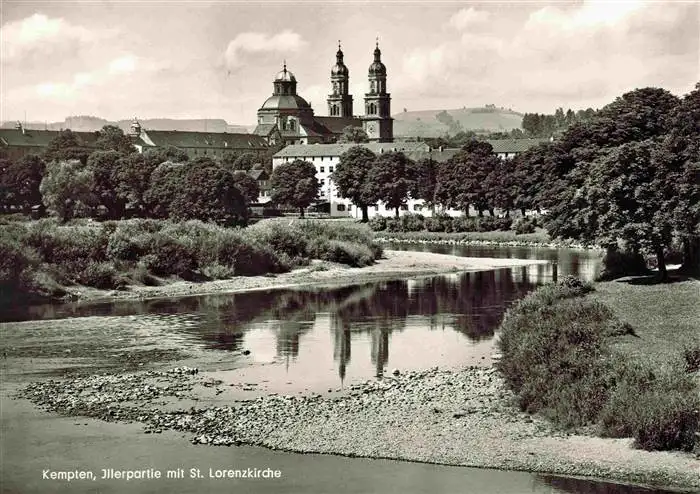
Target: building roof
186, 139
439, 155
514, 145
265, 129
336, 124
259, 174
317, 150
285, 102
40, 138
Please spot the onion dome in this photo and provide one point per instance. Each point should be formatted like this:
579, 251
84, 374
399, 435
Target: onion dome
377, 67
339, 68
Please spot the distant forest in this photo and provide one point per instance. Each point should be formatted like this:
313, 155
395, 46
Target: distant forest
542, 125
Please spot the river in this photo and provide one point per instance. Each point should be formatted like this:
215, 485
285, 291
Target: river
285, 341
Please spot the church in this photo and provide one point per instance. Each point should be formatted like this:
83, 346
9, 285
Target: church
287, 118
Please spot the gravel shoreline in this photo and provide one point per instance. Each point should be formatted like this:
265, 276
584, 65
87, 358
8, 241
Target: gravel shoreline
458, 417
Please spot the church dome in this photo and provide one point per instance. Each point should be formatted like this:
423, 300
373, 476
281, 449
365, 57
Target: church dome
285, 102
285, 76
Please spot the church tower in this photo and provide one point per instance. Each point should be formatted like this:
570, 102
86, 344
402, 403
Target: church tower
377, 121
340, 101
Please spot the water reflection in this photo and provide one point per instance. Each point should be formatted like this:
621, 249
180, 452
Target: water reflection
590, 486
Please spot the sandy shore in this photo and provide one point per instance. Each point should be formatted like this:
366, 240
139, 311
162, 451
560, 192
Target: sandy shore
394, 264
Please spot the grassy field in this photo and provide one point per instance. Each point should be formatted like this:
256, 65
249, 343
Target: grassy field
665, 317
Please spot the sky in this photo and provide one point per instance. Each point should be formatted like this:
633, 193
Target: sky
186, 59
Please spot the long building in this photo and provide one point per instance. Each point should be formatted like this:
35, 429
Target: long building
325, 157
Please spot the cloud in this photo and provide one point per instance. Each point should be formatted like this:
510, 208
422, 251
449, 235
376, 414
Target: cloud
469, 18
123, 64
39, 34
574, 55
257, 43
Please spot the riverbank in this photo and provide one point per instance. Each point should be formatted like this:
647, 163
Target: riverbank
393, 265
502, 238
463, 417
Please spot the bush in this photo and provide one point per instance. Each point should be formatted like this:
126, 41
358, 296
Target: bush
412, 222
216, 271
393, 225
350, 253
378, 223
17, 266
525, 225
168, 256
617, 263
289, 239
464, 224
557, 358
99, 275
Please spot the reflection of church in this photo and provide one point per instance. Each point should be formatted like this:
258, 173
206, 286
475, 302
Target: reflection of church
287, 118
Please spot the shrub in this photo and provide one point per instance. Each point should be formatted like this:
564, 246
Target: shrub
393, 225
217, 271
378, 223
99, 275
617, 263
290, 239
557, 358
168, 256
350, 253
525, 225
247, 257
463, 224
412, 222
17, 266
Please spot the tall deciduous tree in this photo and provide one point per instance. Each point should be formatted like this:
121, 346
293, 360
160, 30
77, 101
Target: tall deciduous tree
389, 180
112, 138
423, 174
105, 166
19, 182
68, 189
166, 181
210, 194
351, 177
247, 185
295, 184
67, 146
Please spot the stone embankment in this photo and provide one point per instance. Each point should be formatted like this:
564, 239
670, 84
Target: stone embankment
463, 417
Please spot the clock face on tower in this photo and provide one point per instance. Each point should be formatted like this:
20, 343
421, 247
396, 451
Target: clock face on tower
371, 128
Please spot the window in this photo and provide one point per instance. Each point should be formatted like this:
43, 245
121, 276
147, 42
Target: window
404, 207
323, 169
323, 182
417, 207
340, 207
330, 169
349, 207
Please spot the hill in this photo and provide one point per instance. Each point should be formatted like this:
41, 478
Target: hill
85, 123
435, 123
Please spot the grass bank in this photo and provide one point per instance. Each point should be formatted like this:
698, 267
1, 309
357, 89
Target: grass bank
40, 259
509, 237
607, 361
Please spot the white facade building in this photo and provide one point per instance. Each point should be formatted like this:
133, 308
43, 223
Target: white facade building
325, 158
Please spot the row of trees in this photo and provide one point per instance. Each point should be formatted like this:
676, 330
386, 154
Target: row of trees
626, 178
71, 179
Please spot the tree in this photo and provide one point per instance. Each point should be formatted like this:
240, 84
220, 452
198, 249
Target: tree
388, 179
501, 186
247, 185
166, 181
112, 138
105, 166
133, 175
679, 160
67, 146
20, 182
353, 134
210, 194
460, 180
351, 177
245, 161
294, 184
68, 189
423, 174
